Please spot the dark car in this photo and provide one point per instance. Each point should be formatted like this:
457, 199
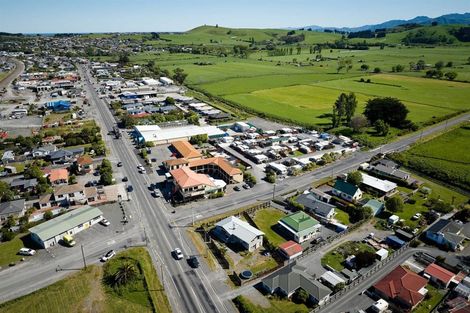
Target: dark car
125, 179
246, 186
193, 261
237, 188
119, 164
130, 188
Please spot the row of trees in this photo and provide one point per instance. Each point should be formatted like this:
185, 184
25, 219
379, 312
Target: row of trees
344, 108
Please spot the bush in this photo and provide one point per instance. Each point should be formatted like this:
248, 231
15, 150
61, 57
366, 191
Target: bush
48, 215
7, 235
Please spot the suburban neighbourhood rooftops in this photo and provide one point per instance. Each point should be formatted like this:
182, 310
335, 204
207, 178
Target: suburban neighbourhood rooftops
85, 160
345, 187
439, 272
379, 184
12, 207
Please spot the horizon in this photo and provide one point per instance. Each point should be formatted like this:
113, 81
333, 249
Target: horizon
141, 16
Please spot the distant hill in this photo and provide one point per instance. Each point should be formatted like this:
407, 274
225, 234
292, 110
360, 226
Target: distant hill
447, 19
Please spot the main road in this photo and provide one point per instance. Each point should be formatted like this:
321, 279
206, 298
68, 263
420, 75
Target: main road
189, 290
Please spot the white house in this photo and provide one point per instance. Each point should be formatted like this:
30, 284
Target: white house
234, 230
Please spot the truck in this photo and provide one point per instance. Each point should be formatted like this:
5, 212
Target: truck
69, 241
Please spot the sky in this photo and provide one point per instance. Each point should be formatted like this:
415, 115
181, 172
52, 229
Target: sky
63, 16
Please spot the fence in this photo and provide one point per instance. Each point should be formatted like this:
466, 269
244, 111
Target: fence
356, 282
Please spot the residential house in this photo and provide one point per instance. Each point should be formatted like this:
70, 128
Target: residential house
85, 164
191, 185
15, 208
388, 168
300, 226
322, 210
292, 277
378, 186
23, 185
60, 156
446, 234
290, 249
68, 195
57, 176
8, 156
331, 279
463, 288
43, 151
346, 191
438, 275
320, 195
235, 231
402, 287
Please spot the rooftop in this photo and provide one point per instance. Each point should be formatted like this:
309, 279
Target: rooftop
439, 272
379, 184
240, 229
155, 133
299, 221
186, 178
186, 150
345, 187
291, 247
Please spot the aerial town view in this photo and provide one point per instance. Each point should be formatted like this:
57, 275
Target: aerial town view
252, 157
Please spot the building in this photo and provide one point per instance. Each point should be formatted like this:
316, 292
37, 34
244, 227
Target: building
166, 81
402, 287
57, 176
49, 233
186, 150
85, 164
23, 185
8, 156
15, 208
381, 254
300, 226
438, 275
290, 249
277, 168
292, 277
379, 306
346, 191
68, 195
446, 234
376, 206
160, 136
331, 279
320, 195
190, 185
378, 186
394, 242
388, 168
241, 127
235, 231
322, 210
463, 288
59, 106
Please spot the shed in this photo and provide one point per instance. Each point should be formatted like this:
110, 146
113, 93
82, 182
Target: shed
394, 241
393, 219
404, 235
382, 254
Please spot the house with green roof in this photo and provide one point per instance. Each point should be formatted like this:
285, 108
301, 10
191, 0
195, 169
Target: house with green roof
346, 191
51, 232
300, 226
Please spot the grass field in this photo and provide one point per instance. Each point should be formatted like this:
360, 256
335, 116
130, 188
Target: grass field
265, 219
85, 291
444, 157
9, 250
335, 258
276, 306
342, 217
427, 305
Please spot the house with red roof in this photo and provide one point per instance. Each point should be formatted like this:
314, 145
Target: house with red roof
85, 164
403, 288
290, 249
57, 176
438, 275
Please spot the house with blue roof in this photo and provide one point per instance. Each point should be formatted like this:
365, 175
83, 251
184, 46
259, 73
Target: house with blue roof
346, 191
59, 106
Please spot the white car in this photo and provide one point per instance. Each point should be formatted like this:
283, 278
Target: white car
105, 222
416, 216
27, 251
178, 254
108, 256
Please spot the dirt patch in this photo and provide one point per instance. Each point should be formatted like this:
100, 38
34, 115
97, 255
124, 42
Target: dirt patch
257, 298
95, 302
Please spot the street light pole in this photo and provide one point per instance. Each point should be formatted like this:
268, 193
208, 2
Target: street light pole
83, 256
274, 190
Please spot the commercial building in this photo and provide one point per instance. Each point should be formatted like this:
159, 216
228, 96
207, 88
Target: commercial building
235, 231
186, 150
300, 226
190, 185
51, 232
158, 135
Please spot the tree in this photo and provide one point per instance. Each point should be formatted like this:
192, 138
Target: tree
5, 193
48, 215
391, 110
339, 109
350, 106
170, 101
300, 296
125, 274
72, 179
271, 177
123, 58
381, 128
364, 259
394, 204
451, 75
450, 64
249, 178
358, 123
377, 70
199, 139
398, 68
179, 75
354, 178
420, 65
439, 65
106, 173
364, 67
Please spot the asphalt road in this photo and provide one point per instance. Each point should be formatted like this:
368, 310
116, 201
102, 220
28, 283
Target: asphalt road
264, 191
19, 68
188, 290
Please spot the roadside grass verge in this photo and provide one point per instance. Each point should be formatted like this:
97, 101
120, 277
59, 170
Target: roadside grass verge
9, 250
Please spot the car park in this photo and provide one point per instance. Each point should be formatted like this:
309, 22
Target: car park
193, 261
105, 222
108, 256
177, 254
26, 251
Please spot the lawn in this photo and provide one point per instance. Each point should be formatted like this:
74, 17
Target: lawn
277, 306
265, 219
342, 217
9, 250
429, 304
85, 291
336, 257
444, 157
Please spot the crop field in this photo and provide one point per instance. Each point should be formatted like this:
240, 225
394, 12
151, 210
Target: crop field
445, 157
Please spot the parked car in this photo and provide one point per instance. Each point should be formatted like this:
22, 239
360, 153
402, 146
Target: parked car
119, 164
124, 179
105, 222
237, 188
26, 251
416, 216
246, 186
177, 254
130, 188
156, 193
193, 261
108, 256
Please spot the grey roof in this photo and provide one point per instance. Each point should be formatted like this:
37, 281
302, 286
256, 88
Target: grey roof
445, 226
332, 278
319, 207
60, 154
65, 222
293, 277
12, 207
24, 183
390, 171
240, 229
387, 163
8, 155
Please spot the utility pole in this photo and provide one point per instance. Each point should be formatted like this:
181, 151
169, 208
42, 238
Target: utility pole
163, 278
274, 190
83, 256
192, 215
